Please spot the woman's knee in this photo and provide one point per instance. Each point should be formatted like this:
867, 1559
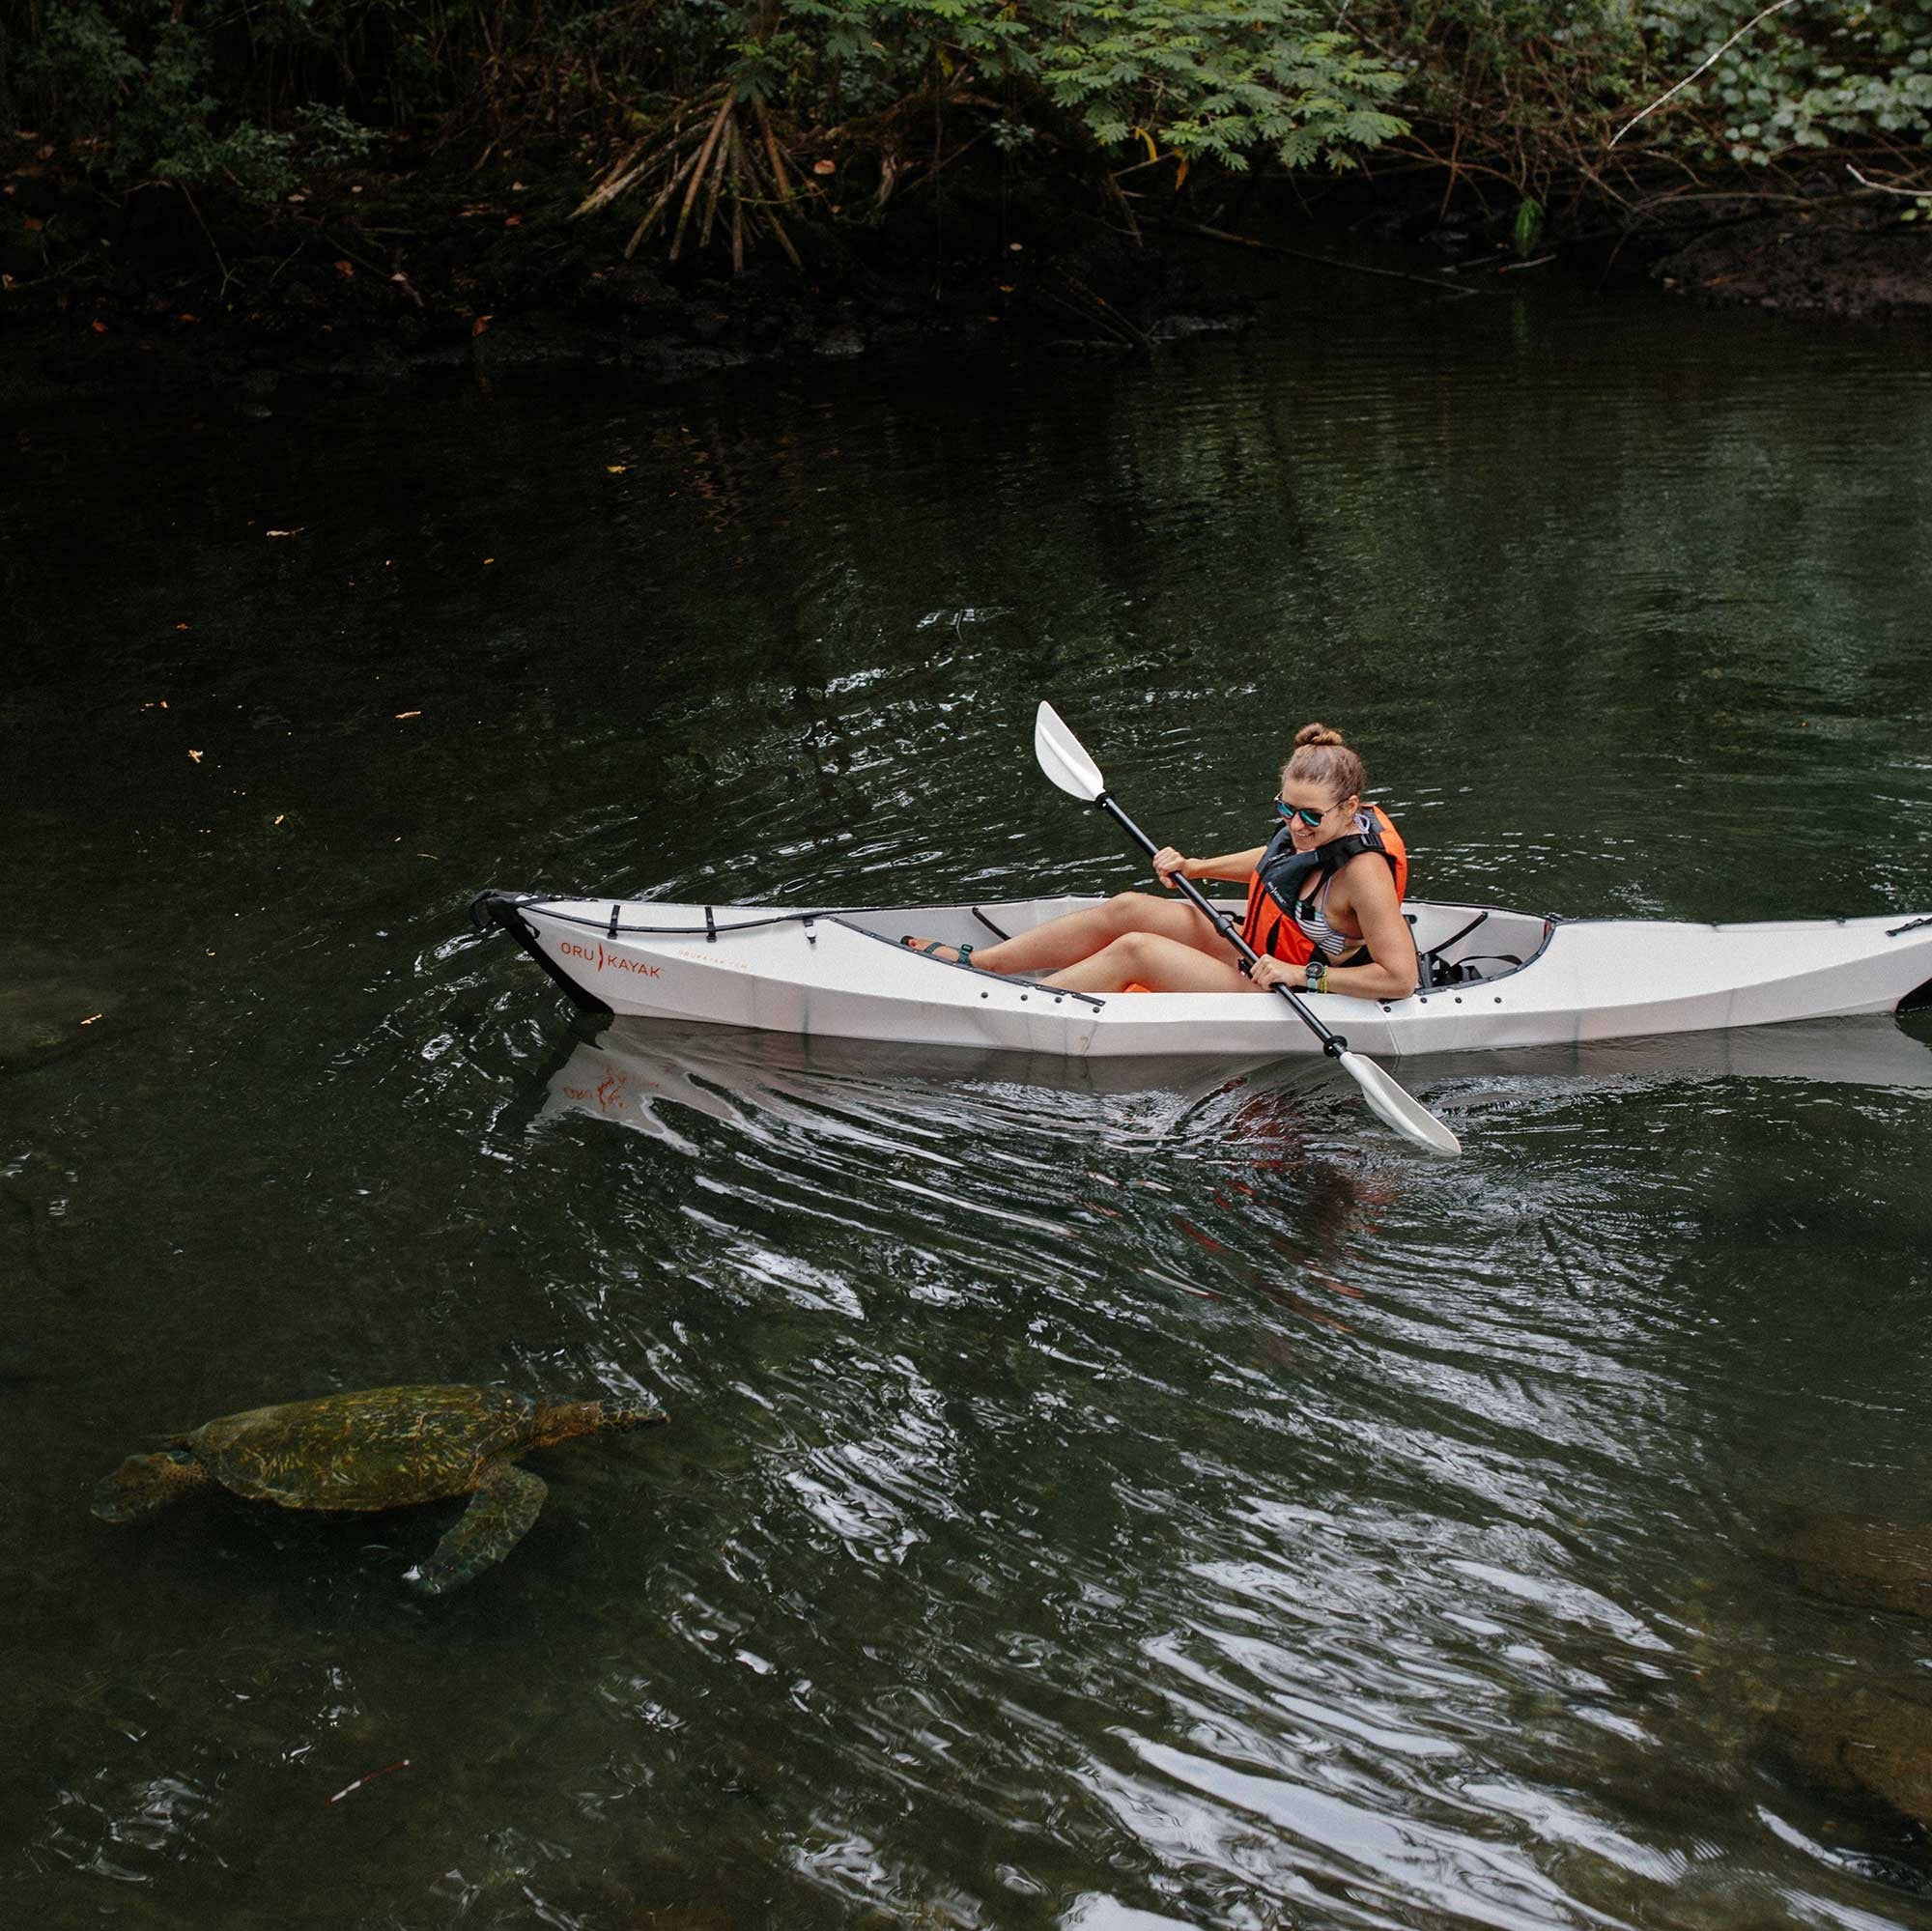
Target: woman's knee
1126, 911
1136, 950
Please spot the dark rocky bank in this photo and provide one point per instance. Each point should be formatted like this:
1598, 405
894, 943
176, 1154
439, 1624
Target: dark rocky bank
1852, 263
384, 275
381, 278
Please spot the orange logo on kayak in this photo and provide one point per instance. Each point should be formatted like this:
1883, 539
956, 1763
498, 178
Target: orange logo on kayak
571, 949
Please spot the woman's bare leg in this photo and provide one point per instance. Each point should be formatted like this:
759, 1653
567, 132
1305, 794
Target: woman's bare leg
1159, 963
1078, 935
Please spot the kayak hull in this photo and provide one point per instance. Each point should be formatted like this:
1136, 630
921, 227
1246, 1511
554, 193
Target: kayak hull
1522, 981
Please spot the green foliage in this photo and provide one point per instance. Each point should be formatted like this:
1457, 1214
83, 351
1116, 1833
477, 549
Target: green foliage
178, 84
1223, 79
78, 64
150, 86
1198, 77
167, 131
252, 94
1824, 74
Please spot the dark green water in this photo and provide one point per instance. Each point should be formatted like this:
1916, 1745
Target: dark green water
1085, 1505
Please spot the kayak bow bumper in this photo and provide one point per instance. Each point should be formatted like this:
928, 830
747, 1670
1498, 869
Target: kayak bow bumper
495, 909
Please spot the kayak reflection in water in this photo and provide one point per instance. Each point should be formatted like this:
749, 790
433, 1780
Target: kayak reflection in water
1324, 906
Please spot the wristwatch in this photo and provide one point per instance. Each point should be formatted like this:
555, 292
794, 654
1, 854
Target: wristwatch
1315, 975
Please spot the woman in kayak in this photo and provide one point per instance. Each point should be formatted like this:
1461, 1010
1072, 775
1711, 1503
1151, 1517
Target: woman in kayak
1324, 906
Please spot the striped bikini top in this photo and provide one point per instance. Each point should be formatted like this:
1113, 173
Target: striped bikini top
1311, 915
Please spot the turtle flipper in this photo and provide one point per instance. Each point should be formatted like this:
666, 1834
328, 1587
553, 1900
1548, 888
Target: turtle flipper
145, 1484
500, 1514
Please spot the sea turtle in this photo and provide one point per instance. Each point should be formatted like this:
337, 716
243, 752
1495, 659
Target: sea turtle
377, 1448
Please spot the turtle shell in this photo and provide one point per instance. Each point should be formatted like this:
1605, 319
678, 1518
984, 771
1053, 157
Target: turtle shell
377, 1448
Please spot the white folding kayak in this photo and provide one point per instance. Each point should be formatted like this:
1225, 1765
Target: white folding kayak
1492, 979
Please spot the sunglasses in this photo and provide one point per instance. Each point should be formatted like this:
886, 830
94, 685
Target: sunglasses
1310, 817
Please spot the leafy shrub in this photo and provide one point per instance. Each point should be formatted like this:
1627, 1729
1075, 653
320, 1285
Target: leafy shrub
1823, 74
151, 88
251, 93
1221, 78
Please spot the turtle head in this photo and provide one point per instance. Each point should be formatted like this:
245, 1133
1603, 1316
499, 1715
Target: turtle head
565, 1419
144, 1484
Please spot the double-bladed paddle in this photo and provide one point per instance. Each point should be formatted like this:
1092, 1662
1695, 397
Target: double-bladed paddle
1065, 760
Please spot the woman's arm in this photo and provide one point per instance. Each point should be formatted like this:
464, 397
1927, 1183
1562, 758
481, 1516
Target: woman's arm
1393, 972
1231, 865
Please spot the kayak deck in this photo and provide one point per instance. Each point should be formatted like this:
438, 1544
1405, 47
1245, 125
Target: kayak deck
1503, 978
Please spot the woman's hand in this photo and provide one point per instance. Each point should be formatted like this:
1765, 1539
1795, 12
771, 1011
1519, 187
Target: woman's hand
1278, 972
1167, 863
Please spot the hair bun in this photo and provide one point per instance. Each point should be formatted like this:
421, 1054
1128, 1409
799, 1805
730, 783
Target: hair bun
1316, 734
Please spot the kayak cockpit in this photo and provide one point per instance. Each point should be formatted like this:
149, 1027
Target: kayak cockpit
1456, 944
1459, 945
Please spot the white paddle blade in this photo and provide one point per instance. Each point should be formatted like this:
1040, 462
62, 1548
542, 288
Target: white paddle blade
1395, 1108
1064, 759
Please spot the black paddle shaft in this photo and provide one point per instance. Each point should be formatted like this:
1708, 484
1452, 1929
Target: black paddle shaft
1333, 1044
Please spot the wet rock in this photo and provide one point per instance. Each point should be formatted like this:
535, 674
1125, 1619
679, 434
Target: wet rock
628, 290
1865, 1563
841, 342
1874, 1743
1858, 265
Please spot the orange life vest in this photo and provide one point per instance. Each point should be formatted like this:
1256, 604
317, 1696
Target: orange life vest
1284, 873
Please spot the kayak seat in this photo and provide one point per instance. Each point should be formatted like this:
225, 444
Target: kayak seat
1436, 971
